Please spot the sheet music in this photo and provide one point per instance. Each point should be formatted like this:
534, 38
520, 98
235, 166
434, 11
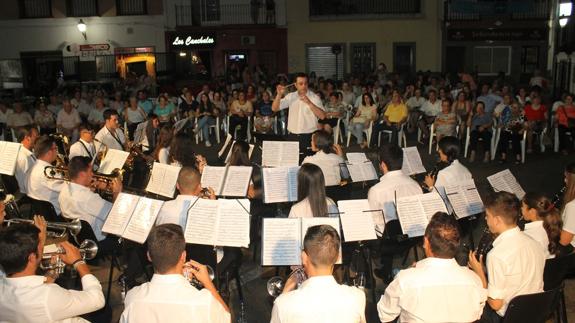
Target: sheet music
464, 198
281, 242
8, 157
280, 184
356, 158
412, 161
357, 224
237, 181
143, 219
163, 179
233, 223
201, 223
411, 215
250, 151
213, 177
114, 159
357, 207
120, 214
505, 181
280, 153
310, 222
362, 172
432, 203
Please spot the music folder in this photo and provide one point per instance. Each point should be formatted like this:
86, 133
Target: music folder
114, 159
227, 180
280, 153
280, 184
358, 220
414, 212
504, 181
464, 198
132, 217
221, 222
282, 239
361, 172
9, 157
163, 179
412, 161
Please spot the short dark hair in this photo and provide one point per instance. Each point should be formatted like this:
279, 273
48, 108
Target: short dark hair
443, 235
321, 243
85, 126
24, 132
323, 140
77, 165
301, 74
109, 113
450, 147
43, 145
17, 242
448, 100
165, 246
505, 205
392, 155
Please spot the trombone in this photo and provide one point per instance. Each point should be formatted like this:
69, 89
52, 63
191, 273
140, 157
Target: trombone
57, 229
62, 173
88, 251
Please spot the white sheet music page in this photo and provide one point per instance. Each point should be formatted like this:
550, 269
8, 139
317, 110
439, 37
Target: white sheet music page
280, 184
474, 202
8, 157
310, 222
213, 177
457, 200
362, 172
163, 179
292, 183
356, 224
201, 224
281, 242
505, 181
411, 215
280, 153
356, 206
432, 203
143, 219
120, 214
114, 159
356, 158
412, 161
237, 181
233, 223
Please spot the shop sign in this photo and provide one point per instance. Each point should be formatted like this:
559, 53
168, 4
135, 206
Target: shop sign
529, 34
190, 41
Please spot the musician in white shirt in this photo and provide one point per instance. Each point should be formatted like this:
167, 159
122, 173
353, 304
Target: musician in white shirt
169, 297
455, 172
27, 297
435, 289
26, 136
111, 134
544, 222
327, 156
85, 145
319, 298
312, 201
516, 262
39, 187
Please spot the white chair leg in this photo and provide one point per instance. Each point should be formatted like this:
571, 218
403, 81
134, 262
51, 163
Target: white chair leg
348, 138
523, 141
466, 145
495, 144
556, 140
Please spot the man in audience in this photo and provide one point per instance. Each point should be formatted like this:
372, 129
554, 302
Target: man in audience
169, 297
515, 264
68, 120
27, 137
39, 186
320, 297
435, 289
429, 110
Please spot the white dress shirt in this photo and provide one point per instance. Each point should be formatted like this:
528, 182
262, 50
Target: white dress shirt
29, 299
171, 298
106, 137
453, 173
413, 102
176, 211
537, 232
320, 299
302, 209
24, 163
82, 148
68, 120
569, 219
79, 202
329, 164
41, 188
431, 109
164, 155
391, 185
514, 267
435, 290
301, 118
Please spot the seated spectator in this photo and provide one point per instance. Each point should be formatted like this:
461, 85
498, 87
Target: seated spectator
536, 118
365, 115
264, 116
566, 124
240, 112
480, 124
334, 109
446, 121
19, 117
44, 119
206, 114
462, 108
394, 117
165, 110
510, 121
429, 110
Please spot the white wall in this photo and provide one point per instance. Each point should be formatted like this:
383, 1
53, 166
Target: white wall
56, 34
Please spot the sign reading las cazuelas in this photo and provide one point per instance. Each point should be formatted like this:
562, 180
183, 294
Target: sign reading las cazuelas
533, 34
195, 40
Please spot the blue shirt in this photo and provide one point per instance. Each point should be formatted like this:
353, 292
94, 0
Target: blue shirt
146, 105
480, 120
490, 101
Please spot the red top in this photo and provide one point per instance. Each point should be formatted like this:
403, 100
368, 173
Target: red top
565, 112
535, 114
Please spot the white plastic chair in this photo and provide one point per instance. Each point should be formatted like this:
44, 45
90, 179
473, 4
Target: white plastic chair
367, 132
248, 132
215, 127
401, 138
492, 143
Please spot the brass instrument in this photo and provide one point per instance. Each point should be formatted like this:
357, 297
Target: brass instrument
88, 250
100, 155
10, 206
276, 284
55, 229
192, 279
61, 173
63, 145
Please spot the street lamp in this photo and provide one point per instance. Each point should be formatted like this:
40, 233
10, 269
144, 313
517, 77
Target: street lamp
82, 28
564, 13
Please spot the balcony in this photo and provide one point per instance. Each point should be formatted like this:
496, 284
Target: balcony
224, 14
362, 9
514, 9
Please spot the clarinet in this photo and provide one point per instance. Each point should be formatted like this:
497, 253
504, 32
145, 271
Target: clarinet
558, 197
485, 244
433, 173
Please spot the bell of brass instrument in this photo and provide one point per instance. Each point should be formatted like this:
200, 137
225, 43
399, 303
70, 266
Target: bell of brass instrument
55, 229
63, 145
61, 173
276, 284
195, 282
100, 154
88, 251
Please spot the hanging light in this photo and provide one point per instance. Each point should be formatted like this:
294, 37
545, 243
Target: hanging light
82, 28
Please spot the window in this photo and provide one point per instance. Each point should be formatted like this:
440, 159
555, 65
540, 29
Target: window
321, 60
492, 60
82, 8
35, 8
334, 8
362, 58
529, 59
131, 7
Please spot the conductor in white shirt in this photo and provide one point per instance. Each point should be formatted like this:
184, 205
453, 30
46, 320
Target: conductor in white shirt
27, 297
111, 134
305, 109
169, 297
435, 289
319, 299
85, 146
26, 136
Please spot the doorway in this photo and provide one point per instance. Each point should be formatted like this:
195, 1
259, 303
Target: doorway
404, 58
455, 59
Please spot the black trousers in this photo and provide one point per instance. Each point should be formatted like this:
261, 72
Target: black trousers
239, 121
379, 127
564, 138
474, 139
304, 140
515, 138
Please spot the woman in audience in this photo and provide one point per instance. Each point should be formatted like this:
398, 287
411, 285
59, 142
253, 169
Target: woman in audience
567, 240
462, 108
264, 120
480, 124
162, 150
44, 119
240, 112
566, 123
187, 105
446, 121
365, 115
206, 114
544, 222
133, 115
334, 110
510, 120
312, 201
522, 98
165, 110
536, 118
219, 102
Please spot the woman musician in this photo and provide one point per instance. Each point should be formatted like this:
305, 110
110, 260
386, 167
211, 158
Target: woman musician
567, 239
544, 222
453, 171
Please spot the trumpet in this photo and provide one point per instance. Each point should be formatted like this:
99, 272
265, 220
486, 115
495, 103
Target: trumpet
61, 173
88, 251
276, 284
193, 280
57, 229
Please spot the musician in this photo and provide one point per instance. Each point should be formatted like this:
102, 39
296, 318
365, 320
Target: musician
514, 265
320, 297
327, 156
111, 134
437, 288
454, 172
26, 136
40, 187
567, 240
169, 297
85, 145
544, 224
77, 200
27, 297
146, 133
305, 109
312, 200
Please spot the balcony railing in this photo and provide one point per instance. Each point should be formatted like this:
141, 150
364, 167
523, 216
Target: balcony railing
513, 9
321, 9
225, 14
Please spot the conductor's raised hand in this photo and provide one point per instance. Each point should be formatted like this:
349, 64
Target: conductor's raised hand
280, 90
